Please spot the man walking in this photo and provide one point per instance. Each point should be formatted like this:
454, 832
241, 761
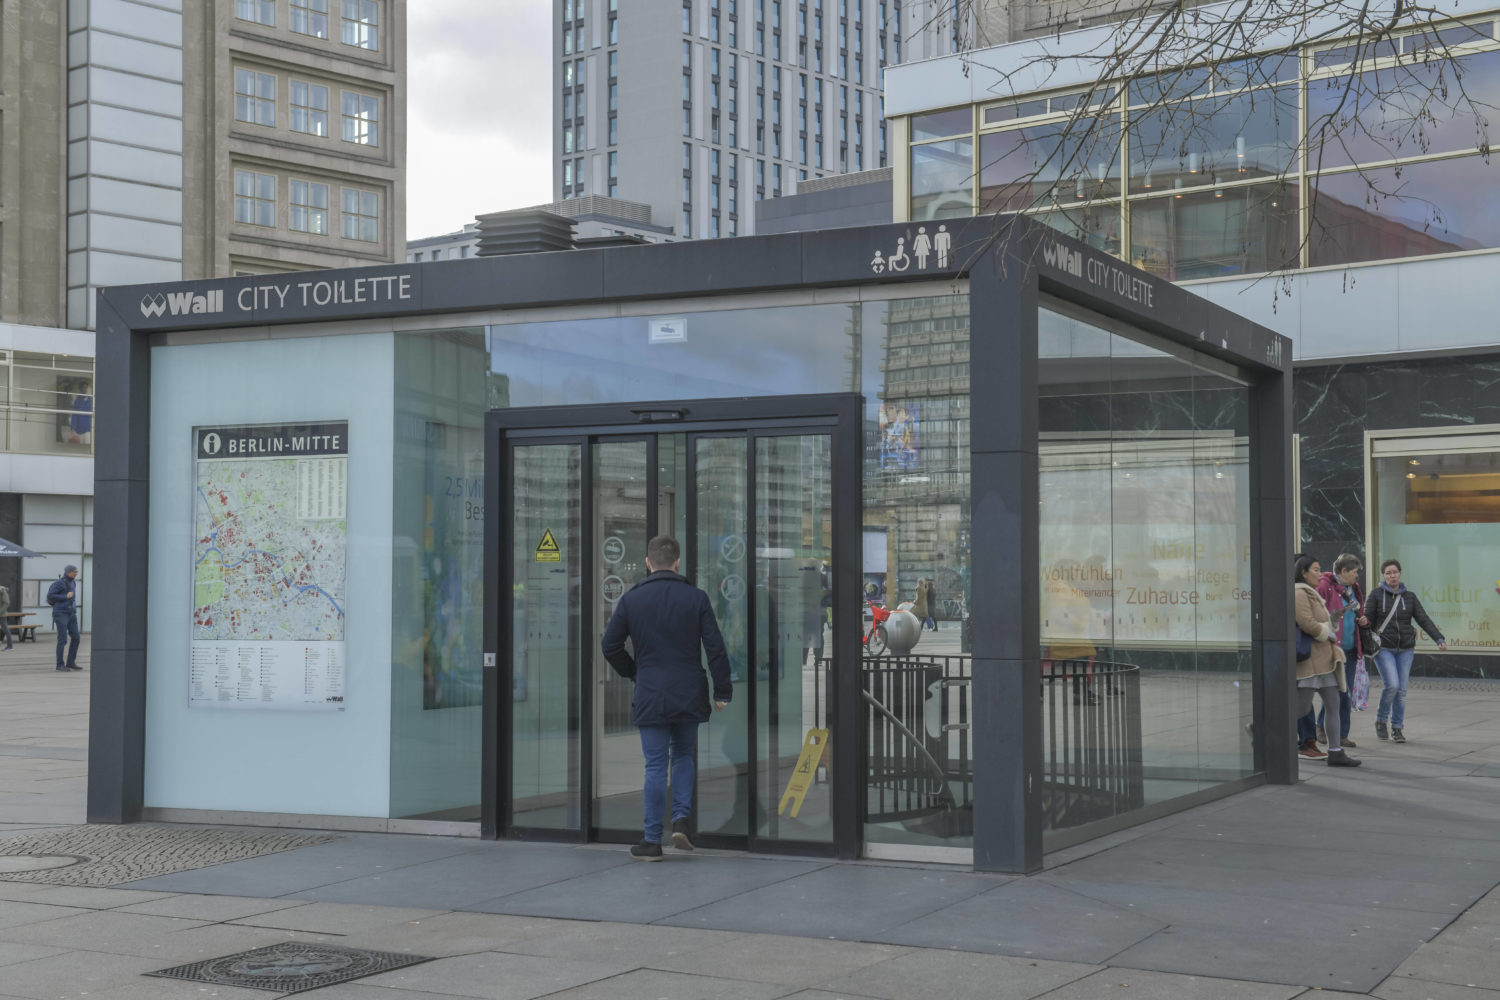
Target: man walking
63, 596
668, 621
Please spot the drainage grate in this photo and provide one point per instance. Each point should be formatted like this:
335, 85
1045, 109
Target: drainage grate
110, 855
291, 967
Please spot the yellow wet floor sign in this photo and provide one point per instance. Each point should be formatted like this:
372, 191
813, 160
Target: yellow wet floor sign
802, 776
546, 549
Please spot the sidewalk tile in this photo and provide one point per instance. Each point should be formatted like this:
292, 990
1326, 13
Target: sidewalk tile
100, 930
963, 975
642, 944
75, 973
11, 953
472, 877
18, 914
1403, 988
1033, 919
195, 907
450, 934
496, 976
336, 918
1439, 962
852, 902
645, 893
825, 995
771, 958
648, 984
1117, 984
83, 897
198, 944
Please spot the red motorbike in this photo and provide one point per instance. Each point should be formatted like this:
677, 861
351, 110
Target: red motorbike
875, 640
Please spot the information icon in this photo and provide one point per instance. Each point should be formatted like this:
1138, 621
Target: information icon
611, 588
733, 587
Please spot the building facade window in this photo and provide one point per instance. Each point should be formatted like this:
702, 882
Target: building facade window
310, 17
309, 105
362, 24
361, 114
255, 198
259, 11
361, 215
309, 204
255, 97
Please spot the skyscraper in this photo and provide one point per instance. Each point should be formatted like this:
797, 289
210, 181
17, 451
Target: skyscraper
700, 108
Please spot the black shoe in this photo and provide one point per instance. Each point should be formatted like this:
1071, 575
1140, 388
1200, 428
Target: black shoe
74, 667
1380, 731
62, 670
1397, 736
646, 852
1337, 758
680, 835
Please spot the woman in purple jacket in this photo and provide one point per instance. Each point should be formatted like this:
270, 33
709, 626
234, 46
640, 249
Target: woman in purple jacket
1340, 591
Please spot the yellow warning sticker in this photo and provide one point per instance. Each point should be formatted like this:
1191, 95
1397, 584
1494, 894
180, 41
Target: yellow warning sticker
802, 776
546, 549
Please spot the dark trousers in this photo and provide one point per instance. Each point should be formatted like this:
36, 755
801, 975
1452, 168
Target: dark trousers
67, 628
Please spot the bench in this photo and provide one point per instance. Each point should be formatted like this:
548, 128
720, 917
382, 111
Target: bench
19, 630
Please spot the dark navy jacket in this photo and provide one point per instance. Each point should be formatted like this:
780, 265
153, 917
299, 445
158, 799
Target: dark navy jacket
63, 606
666, 619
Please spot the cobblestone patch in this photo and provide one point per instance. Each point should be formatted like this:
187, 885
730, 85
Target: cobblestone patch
111, 855
291, 967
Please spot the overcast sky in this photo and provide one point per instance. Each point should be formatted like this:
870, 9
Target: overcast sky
479, 110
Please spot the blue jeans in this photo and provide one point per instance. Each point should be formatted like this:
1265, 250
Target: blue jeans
1306, 729
678, 743
67, 628
1395, 671
1345, 706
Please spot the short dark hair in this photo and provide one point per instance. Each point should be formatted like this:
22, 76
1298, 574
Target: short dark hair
1346, 561
663, 551
1390, 562
1299, 570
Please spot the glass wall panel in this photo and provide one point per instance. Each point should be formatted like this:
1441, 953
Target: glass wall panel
546, 746
1215, 233
1441, 206
1144, 573
941, 124
1435, 506
437, 629
1216, 139
942, 180
48, 401
1405, 109
1043, 164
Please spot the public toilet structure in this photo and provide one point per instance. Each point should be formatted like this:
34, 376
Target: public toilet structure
360, 532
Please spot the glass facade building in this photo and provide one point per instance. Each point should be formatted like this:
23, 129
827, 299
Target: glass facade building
435, 483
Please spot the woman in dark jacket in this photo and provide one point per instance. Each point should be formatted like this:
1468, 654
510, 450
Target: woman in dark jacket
1393, 606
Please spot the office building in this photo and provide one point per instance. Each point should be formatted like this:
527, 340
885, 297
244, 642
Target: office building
1384, 232
700, 108
157, 141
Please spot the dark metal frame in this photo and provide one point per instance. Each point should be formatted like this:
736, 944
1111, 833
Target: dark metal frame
839, 416
1007, 266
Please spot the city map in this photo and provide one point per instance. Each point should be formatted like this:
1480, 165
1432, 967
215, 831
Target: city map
270, 567
271, 554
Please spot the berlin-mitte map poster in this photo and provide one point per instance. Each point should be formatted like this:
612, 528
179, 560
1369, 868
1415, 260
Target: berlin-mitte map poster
270, 566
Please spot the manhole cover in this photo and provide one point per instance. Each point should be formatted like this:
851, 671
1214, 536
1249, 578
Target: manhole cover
36, 862
291, 967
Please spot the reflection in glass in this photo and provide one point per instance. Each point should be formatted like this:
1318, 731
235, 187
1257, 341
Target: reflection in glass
942, 180
545, 641
1441, 206
1213, 140
1438, 512
1144, 574
619, 534
1207, 234
1043, 164
941, 124
723, 743
793, 543
1406, 109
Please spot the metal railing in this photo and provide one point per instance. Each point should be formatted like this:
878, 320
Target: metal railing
919, 753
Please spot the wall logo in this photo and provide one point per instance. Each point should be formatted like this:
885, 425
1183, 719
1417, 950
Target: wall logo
182, 303
211, 443
1065, 260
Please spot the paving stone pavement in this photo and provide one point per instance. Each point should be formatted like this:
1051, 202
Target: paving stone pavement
1378, 882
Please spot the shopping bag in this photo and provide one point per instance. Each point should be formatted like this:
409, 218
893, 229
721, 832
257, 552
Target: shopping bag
1360, 696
